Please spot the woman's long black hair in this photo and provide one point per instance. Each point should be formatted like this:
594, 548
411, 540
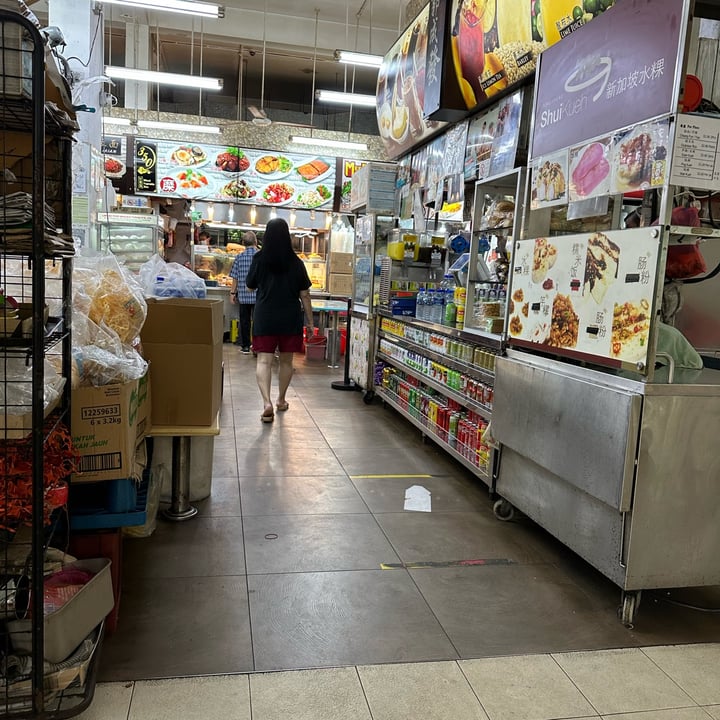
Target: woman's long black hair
277, 251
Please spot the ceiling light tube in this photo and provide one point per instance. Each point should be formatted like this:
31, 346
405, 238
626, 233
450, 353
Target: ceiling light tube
345, 98
354, 58
345, 144
163, 125
186, 7
164, 78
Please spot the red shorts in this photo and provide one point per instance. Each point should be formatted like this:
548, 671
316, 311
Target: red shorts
282, 343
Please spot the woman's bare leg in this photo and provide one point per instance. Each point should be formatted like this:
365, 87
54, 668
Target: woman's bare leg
263, 375
285, 373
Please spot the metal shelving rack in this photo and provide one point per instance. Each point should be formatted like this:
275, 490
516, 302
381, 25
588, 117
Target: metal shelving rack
36, 271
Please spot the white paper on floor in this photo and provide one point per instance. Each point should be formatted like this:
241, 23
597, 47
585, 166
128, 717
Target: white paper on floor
418, 499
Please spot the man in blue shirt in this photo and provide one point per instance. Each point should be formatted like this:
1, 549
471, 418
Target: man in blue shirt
240, 294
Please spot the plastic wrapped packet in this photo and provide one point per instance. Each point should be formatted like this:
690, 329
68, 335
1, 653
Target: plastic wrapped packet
16, 386
110, 295
163, 279
99, 358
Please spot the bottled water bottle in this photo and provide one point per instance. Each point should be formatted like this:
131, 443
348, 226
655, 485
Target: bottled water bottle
438, 307
420, 304
449, 296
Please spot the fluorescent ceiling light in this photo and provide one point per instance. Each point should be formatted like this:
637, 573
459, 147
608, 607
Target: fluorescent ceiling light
355, 58
163, 125
344, 98
346, 144
116, 121
164, 78
186, 7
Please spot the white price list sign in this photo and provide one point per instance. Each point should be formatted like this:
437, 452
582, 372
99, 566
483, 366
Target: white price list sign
696, 155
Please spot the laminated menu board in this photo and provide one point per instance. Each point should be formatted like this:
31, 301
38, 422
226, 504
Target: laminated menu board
696, 154
587, 296
632, 159
219, 172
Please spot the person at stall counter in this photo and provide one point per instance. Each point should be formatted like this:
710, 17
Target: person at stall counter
283, 293
205, 238
240, 293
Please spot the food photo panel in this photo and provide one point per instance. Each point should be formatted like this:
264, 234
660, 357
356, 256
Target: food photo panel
549, 181
640, 157
590, 169
588, 295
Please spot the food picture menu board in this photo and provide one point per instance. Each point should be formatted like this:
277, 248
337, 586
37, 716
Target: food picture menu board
401, 90
625, 161
493, 139
496, 43
231, 174
349, 167
113, 150
696, 155
587, 296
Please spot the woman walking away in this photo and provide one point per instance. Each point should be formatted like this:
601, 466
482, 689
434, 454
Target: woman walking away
283, 292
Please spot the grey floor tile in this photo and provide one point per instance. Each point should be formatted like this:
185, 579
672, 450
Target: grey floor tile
395, 461
515, 609
308, 695
225, 465
279, 460
695, 668
342, 618
526, 687
444, 536
676, 714
432, 691
622, 681
309, 494
201, 547
170, 627
224, 499
449, 493
315, 543
197, 698
713, 711
111, 701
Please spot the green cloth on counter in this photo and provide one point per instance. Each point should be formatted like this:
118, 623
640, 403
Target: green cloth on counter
675, 344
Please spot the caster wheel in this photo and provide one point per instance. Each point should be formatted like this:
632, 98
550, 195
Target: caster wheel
368, 397
503, 510
630, 604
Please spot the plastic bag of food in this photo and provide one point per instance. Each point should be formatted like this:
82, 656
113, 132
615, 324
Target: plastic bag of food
168, 279
16, 386
99, 358
109, 294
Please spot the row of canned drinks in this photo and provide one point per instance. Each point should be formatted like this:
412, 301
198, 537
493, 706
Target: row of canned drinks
463, 430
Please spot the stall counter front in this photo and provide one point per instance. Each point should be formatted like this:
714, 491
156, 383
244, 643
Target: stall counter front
625, 473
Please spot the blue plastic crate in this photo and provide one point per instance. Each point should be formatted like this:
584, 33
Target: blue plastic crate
88, 512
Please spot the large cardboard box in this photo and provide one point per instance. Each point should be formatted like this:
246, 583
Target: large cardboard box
340, 284
107, 424
341, 263
182, 339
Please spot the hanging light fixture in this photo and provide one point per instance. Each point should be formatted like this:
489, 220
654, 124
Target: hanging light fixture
345, 98
164, 78
185, 127
184, 7
344, 144
355, 58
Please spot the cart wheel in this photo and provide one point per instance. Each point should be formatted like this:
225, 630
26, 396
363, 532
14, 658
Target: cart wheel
630, 604
503, 510
368, 397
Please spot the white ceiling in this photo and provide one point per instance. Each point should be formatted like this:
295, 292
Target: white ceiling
299, 47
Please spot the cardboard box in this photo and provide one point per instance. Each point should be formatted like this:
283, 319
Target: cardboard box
182, 339
68, 626
340, 284
107, 424
341, 263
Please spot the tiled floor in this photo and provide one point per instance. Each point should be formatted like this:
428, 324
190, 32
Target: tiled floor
300, 558
657, 683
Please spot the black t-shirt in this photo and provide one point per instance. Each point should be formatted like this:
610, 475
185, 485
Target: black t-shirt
278, 310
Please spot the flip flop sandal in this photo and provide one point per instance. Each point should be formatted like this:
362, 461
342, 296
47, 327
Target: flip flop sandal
282, 407
267, 417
